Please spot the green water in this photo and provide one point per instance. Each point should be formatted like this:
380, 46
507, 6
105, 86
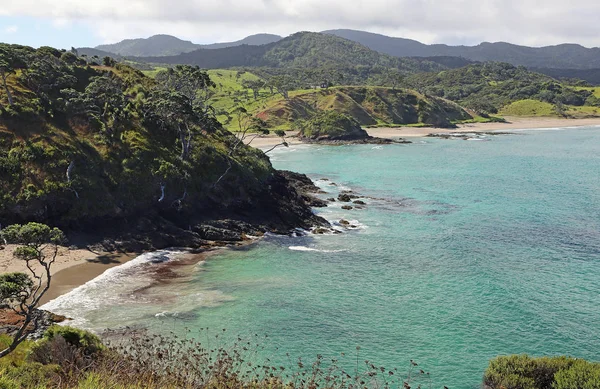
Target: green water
466, 250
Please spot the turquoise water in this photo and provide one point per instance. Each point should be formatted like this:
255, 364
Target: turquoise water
466, 250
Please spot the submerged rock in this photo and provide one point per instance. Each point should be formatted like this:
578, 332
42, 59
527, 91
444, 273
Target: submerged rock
347, 207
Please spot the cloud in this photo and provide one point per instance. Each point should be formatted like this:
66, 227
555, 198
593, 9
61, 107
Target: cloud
431, 21
11, 29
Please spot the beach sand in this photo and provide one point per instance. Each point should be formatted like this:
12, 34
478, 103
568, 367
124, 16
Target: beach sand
71, 269
513, 123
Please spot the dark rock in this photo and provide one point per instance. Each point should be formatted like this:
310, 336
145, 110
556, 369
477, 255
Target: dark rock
344, 198
344, 222
347, 207
331, 199
359, 202
320, 231
220, 234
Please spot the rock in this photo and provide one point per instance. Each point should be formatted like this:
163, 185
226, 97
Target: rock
320, 231
344, 198
314, 201
331, 199
347, 207
344, 222
208, 232
359, 202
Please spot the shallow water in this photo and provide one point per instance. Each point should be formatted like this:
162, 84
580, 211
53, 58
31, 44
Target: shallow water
466, 250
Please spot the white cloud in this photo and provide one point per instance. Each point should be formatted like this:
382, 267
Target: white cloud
431, 21
11, 29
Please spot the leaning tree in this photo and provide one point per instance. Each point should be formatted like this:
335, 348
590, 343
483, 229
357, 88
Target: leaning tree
38, 248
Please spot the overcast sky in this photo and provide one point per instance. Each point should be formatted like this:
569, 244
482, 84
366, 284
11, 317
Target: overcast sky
66, 23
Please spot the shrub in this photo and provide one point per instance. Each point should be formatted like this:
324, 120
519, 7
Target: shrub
81, 339
525, 372
581, 375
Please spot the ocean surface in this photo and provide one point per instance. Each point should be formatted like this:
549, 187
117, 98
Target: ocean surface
465, 250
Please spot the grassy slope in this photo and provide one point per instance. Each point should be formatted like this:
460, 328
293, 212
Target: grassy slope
535, 108
529, 108
595, 89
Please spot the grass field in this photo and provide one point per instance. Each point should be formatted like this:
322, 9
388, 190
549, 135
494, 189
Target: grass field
529, 108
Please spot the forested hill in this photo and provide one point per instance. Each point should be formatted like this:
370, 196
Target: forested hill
564, 56
88, 145
301, 50
167, 45
489, 87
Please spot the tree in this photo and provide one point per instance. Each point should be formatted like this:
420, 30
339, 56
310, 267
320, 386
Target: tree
181, 101
108, 61
254, 85
7, 67
18, 290
283, 84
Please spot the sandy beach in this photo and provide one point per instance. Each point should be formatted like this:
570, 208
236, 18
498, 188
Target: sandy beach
71, 269
513, 123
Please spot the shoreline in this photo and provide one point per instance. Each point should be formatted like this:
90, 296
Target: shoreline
74, 268
512, 124
71, 269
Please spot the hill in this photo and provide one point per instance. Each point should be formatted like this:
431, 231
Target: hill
301, 50
489, 87
564, 56
369, 106
157, 45
167, 45
252, 40
100, 146
591, 76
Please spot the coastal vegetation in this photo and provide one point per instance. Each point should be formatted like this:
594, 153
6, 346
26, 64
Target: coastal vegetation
86, 144
490, 87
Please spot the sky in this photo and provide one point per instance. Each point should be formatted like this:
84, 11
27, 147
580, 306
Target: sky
87, 23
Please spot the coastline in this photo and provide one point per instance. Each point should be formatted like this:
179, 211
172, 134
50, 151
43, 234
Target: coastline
513, 123
74, 268
71, 269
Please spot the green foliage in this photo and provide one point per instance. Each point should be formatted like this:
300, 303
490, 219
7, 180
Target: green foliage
32, 234
525, 372
581, 375
331, 125
83, 340
13, 286
488, 87
82, 143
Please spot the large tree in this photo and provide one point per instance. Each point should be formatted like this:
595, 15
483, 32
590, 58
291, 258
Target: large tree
11, 59
38, 248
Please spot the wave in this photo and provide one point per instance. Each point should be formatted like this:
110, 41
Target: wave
304, 248
110, 287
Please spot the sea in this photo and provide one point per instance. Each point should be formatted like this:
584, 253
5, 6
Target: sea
464, 250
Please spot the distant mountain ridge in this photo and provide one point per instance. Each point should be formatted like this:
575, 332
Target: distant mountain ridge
564, 56
307, 50
167, 45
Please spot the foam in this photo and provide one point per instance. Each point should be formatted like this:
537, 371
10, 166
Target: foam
108, 287
311, 249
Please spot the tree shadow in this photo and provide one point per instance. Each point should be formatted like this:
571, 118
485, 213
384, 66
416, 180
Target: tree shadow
106, 259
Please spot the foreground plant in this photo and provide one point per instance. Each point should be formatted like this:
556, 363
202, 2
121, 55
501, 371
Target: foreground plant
21, 292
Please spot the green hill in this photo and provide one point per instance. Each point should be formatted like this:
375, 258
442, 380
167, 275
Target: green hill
370, 106
489, 87
94, 146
